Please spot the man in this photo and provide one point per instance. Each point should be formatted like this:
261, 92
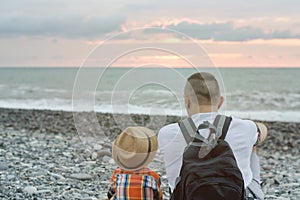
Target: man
202, 101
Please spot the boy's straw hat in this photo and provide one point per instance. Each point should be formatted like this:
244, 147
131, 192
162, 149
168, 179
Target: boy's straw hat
134, 148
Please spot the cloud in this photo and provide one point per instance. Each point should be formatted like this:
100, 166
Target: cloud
286, 34
201, 31
211, 10
68, 26
79, 19
239, 34
226, 31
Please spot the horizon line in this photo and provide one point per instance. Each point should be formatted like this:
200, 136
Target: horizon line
179, 67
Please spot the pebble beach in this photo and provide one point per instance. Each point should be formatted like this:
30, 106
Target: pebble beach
42, 156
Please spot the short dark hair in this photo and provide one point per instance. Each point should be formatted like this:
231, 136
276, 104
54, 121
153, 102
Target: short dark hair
204, 86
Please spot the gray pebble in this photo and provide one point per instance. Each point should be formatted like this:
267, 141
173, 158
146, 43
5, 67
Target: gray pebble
10, 177
97, 147
30, 190
103, 153
106, 159
44, 191
94, 156
3, 167
111, 161
81, 176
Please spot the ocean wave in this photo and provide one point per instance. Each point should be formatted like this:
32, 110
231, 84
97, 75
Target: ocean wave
66, 105
270, 106
282, 116
263, 100
240, 100
28, 92
44, 104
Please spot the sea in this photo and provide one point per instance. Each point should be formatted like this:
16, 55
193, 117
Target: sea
269, 94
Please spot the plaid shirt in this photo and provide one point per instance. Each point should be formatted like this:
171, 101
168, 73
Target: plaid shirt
135, 185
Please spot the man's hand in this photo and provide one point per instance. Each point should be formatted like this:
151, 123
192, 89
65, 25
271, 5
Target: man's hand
263, 132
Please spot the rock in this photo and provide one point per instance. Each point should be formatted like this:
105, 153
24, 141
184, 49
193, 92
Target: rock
103, 153
43, 191
3, 167
94, 156
81, 176
111, 161
267, 167
56, 176
282, 198
97, 147
10, 177
107, 145
106, 159
30, 190
290, 185
87, 153
67, 154
276, 181
76, 196
40, 173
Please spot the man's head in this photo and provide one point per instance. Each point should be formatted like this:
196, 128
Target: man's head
202, 93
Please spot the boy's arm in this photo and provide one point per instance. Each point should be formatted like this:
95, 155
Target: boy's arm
111, 192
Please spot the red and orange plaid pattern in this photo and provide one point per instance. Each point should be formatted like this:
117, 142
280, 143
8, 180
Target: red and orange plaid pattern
143, 184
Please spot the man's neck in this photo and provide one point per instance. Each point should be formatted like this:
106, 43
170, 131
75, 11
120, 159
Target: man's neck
203, 109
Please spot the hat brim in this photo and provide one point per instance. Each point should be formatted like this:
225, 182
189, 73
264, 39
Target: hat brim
135, 148
131, 162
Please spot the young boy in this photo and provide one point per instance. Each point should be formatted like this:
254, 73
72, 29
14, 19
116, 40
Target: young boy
132, 151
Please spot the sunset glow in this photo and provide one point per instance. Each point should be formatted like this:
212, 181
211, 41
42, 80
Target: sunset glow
240, 37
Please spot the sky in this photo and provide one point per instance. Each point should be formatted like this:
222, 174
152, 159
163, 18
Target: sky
232, 33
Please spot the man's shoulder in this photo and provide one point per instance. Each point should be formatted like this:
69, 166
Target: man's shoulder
168, 131
169, 128
242, 129
243, 123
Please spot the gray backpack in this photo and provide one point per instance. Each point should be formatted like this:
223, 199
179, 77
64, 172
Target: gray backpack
209, 170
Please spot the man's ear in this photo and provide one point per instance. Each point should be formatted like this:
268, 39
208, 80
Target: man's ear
221, 101
187, 102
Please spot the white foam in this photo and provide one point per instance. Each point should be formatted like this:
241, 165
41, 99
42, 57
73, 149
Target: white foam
66, 105
133, 109
41, 104
267, 115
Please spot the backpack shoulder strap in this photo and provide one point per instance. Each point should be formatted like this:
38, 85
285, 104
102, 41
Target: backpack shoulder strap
190, 131
222, 124
187, 126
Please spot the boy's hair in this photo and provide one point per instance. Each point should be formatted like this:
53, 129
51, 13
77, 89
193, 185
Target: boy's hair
204, 86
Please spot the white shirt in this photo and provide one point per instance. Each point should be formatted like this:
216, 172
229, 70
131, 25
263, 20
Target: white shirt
241, 136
